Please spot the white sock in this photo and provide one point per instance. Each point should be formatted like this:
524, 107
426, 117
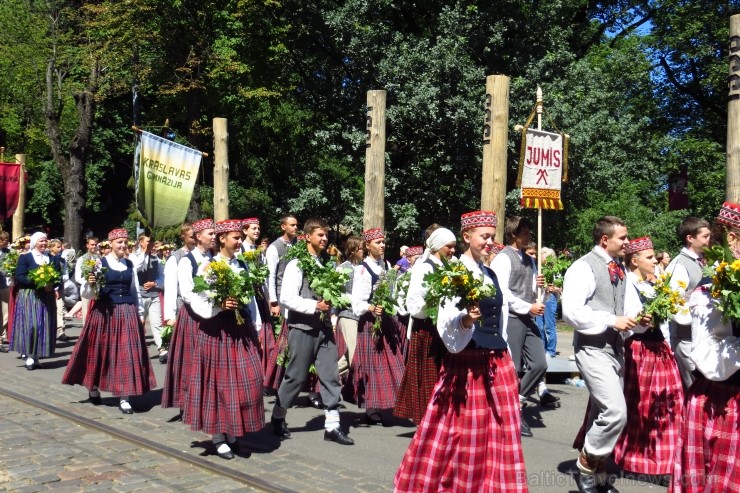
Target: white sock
125, 405
223, 448
331, 420
29, 361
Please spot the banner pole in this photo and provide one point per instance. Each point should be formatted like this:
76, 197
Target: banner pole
19, 214
220, 169
540, 291
373, 215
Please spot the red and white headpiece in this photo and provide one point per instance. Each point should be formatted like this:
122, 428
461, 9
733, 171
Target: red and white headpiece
729, 215
250, 220
372, 234
638, 245
203, 224
228, 226
117, 233
478, 219
414, 251
497, 248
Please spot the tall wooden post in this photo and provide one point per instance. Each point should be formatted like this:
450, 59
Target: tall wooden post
374, 211
495, 138
20, 212
732, 180
220, 169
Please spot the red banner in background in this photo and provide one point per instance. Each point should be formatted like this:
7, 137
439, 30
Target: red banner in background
9, 185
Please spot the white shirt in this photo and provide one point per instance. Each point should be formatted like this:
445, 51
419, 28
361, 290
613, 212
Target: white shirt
272, 258
185, 282
714, 350
579, 285
415, 303
679, 274
40, 258
501, 265
290, 290
138, 258
170, 287
362, 285
118, 265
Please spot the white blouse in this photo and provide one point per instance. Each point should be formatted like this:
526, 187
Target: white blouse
714, 350
118, 265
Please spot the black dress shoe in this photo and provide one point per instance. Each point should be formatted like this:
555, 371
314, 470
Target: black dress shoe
373, 419
337, 435
228, 455
607, 487
125, 410
280, 428
587, 483
524, 429
3, 349
63, 337
30, 367
315, 402
234, 446
95, 399
547, 399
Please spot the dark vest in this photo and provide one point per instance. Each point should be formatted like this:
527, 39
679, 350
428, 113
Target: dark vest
487, 331
347, 312
373, 276
520, 280
149, 274
117, 289
305, 321
282, 249
696, 278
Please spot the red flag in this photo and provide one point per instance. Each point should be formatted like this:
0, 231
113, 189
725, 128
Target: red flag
9, 185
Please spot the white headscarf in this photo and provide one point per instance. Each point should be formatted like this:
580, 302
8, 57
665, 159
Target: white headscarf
439, 238
35, 238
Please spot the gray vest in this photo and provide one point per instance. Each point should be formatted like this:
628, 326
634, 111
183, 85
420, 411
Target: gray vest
304, 321
347, 312
520, 280
282, 249
607, 297
683, 332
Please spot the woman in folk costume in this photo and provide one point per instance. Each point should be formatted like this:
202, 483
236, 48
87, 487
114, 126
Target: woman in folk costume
261, 307
185, 334
708, 456
111, 353
224, 396
426, 348
34, 312
652, 384
377, 368
468, 440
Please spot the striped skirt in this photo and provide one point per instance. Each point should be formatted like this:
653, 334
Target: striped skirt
111, 352
377, 367
425, 354
11, 310
469, 437
275, 371
180, 357
708, 455
654, 395
34, 323
225, 390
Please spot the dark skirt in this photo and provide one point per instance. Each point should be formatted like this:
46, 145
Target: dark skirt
225, 390
11, 310
654, 395
34, 323
111, 352
425, 354
469, 437
377, 367
180, 357
274, 372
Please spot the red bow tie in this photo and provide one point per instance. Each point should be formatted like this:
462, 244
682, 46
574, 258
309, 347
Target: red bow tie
702, 261
615, 272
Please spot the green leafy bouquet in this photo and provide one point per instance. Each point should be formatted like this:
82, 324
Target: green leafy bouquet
166, 335
258, 272
383, 296
10, 262
94, 266
453, 280
553, 268
724, 269
44, 275
219, 282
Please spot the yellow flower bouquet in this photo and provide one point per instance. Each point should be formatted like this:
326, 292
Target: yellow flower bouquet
662, 301
454, 280
724, 270
219, 282
45, 275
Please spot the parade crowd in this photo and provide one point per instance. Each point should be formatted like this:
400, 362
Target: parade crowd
236, 317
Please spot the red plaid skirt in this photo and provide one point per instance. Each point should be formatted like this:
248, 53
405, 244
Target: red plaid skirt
654, 395
111, 352
225, 390
708, 455
425, 354
341, 343
273, 371
180, 357
377, 367
11, 310
469, 437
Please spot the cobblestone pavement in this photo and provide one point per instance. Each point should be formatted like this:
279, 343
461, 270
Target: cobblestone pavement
41, 451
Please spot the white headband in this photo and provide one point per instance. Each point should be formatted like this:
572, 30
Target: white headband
439, 238
35, 238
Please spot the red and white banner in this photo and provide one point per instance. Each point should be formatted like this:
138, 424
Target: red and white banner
9, 185
543, 158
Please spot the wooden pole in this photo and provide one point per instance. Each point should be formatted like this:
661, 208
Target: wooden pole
20, 211
220, 169
540, 291
374, 209
732, 180
495, 138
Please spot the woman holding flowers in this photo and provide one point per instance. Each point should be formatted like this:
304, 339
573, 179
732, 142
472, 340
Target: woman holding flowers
708, 456
652, 384
111, 353
378, 366
469, 437
37, 277
224, 395
426, 349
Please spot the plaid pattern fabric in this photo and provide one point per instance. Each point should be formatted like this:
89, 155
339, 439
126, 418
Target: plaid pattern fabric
34, 323
11, 310
377, 367
708, 455
654, 395
469, 437
426, 350
273, 372
225, 390
111, 352
179, 358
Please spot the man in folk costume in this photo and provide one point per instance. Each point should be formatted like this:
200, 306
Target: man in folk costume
517, 274
686, 270
172, 298
150, 272
310, 341
91, 245
708, 456
275, 252
597, 305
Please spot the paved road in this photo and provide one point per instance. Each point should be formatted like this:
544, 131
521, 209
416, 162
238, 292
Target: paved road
87, 460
